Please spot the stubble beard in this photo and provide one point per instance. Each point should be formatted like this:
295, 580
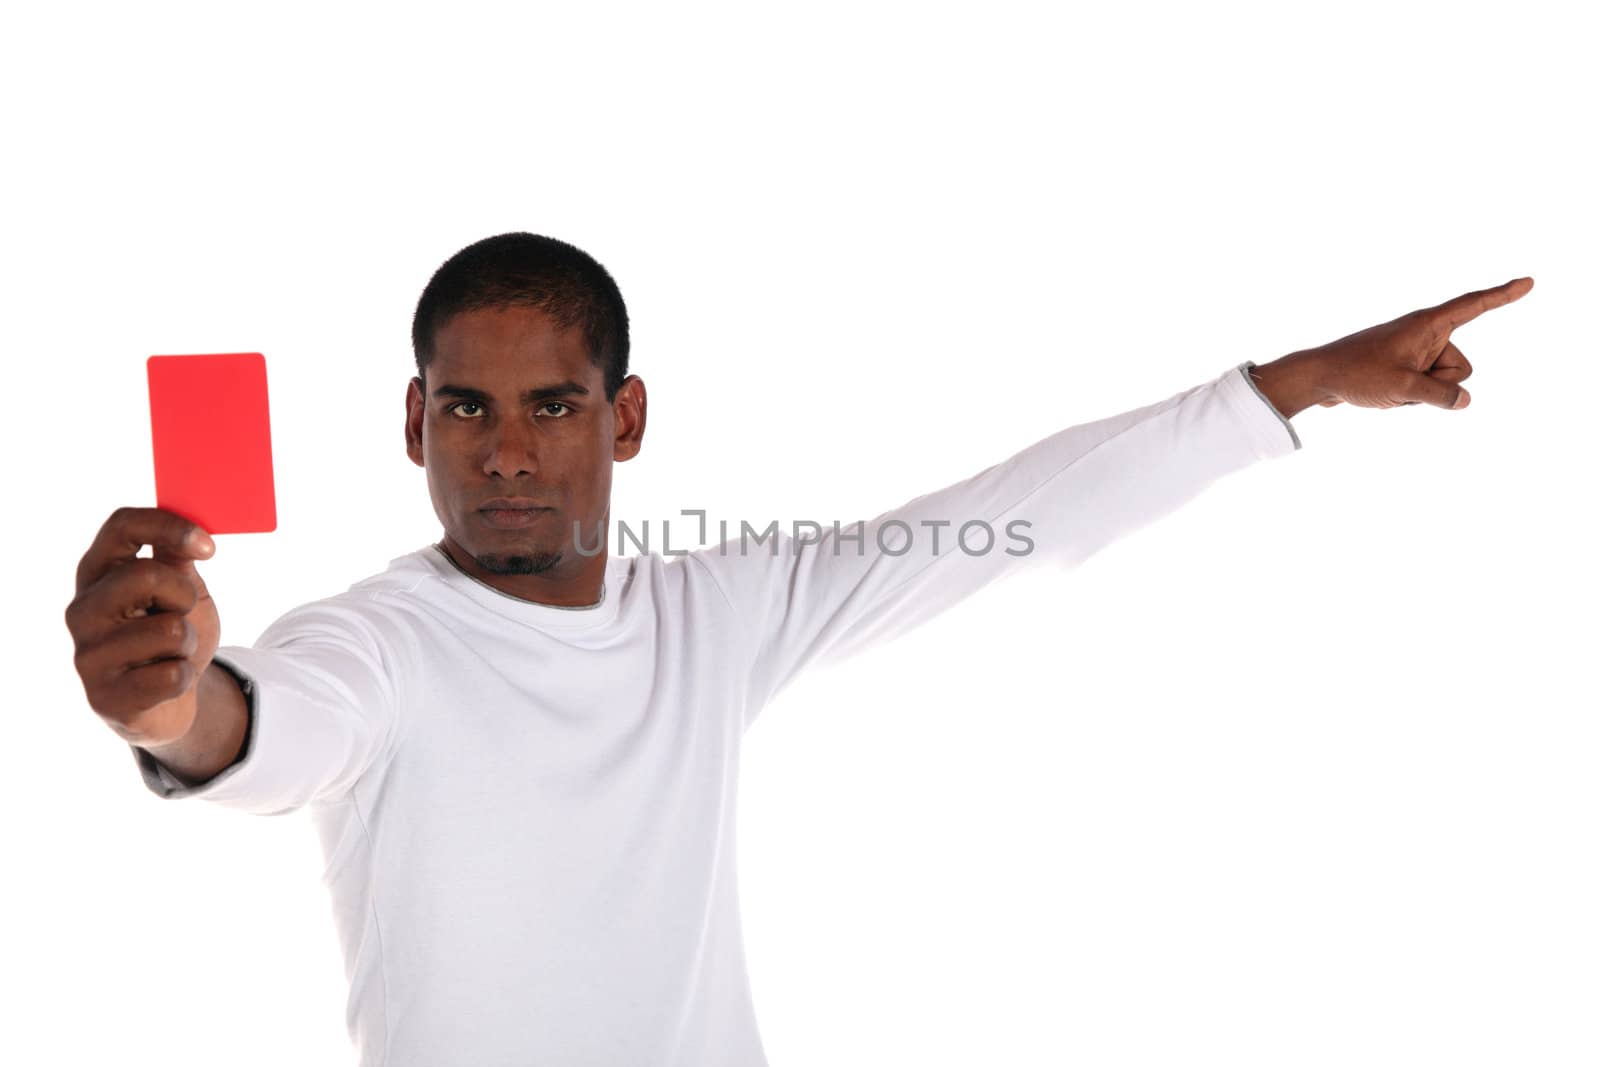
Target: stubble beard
535, 562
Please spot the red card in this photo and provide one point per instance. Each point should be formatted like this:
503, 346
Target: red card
212, 440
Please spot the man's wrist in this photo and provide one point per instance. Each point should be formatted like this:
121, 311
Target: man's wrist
1291, 383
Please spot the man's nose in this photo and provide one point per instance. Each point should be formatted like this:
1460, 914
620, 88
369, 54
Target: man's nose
513, 451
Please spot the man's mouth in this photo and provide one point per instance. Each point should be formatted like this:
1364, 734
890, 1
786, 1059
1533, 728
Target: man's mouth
512, 518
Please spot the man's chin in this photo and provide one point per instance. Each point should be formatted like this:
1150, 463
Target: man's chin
531, 561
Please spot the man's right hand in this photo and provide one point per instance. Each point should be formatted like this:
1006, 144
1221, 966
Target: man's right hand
145, 629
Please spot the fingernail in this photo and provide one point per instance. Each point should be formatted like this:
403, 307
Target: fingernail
201, 541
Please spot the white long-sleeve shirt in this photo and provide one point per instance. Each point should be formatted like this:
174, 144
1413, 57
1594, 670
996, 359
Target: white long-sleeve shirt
527, 811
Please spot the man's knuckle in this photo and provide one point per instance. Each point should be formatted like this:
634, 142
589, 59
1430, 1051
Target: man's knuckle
148, 575
172, 673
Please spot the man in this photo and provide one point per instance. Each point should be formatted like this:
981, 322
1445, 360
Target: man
520, 751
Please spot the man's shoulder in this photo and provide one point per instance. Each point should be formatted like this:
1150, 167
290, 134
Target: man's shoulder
404, 574
368, 605
745, 572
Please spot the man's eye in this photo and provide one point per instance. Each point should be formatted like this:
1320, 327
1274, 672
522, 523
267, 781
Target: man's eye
563, 413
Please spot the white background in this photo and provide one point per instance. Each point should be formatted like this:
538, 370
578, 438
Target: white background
1304, 773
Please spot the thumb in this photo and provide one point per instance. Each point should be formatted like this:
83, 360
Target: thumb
1427, 389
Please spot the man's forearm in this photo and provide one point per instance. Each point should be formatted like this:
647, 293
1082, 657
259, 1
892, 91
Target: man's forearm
1291, 383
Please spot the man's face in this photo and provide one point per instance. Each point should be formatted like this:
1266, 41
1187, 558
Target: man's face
515, 408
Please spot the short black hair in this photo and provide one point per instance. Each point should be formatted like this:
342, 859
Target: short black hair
528, 270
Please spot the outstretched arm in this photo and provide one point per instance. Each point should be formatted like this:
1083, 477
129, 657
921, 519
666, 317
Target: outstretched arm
797, 601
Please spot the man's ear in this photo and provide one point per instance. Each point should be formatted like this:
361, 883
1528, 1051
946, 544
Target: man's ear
628, 411
414, 411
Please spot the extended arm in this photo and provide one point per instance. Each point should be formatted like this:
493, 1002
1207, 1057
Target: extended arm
805, 600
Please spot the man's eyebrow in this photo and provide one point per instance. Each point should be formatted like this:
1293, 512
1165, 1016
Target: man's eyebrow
532, 396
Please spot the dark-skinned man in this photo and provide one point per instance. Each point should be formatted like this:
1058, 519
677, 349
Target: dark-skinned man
521, 751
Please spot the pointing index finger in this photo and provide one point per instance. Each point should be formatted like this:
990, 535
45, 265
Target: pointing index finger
1468, 306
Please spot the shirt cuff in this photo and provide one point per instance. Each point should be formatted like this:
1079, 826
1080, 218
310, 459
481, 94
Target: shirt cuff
1271, 435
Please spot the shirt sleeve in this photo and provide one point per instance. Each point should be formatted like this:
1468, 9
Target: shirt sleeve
322, 709
822, 597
